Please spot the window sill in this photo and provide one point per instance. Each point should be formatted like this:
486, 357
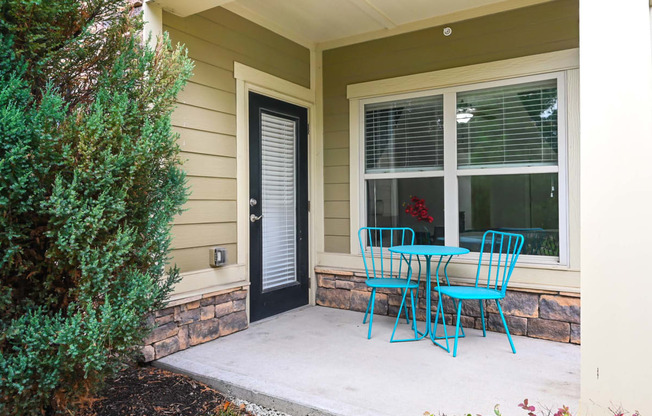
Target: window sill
523, 262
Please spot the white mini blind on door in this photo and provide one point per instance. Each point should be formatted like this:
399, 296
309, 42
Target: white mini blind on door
404, 135
278, 201
514, 125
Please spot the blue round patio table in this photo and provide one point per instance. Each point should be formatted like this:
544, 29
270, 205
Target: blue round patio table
428, 251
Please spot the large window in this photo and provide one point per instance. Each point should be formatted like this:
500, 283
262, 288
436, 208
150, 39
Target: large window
456, 162
404, 162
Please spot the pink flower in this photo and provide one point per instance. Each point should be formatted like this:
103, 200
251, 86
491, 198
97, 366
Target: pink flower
525, 406
562, 411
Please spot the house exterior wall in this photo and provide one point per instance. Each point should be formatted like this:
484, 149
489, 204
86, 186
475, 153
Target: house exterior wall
551, 315
616, 199
189, 322
532, 40
528, 31
212, 302
205, 118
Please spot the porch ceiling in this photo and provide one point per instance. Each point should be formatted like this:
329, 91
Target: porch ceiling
317, 22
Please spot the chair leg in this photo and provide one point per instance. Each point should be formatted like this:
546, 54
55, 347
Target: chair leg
457, 326
414, 314
509, 337
461, 327
364, 321
433, 327
407, 318
433, 330
484, 331
371, 313
398, 317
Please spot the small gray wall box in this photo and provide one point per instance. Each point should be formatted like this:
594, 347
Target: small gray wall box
217, 256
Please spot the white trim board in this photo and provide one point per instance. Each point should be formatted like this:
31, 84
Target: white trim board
463, 269
204, 281
153, 23
253, 76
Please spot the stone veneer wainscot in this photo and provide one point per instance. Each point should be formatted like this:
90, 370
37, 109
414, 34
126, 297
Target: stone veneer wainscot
547, 315
193, 321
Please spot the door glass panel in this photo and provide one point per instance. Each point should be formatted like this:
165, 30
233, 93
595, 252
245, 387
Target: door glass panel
278, 204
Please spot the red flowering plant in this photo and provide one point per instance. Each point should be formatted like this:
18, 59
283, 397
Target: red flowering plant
418, 209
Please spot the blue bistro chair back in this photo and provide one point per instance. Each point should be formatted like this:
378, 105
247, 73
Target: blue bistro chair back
385, 269
500, 251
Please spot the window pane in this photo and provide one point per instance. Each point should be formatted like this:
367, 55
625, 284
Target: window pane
513, 125
388, 200
404, 135
524, 204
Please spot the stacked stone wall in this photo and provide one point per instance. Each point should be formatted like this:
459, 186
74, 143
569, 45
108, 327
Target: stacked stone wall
193, 321
547, 315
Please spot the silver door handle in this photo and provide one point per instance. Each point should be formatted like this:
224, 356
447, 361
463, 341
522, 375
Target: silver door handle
254, 218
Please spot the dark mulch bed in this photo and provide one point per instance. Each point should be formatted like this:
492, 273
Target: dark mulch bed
147, 391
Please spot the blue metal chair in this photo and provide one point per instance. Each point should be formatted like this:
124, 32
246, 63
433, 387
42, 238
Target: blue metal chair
503, 249
376, 258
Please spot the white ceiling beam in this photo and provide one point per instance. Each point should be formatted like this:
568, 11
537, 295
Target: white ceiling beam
370, 10
184, 8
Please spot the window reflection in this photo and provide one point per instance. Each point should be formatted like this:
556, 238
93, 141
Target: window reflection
389, 199
523, 204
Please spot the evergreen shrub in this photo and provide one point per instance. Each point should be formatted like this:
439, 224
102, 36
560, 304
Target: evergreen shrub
89, 183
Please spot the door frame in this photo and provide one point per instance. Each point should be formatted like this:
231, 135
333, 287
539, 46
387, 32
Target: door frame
250, 79
266, 303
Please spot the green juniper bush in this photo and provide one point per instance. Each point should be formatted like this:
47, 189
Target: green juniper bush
89, 182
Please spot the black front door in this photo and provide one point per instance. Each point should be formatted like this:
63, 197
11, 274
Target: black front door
278, 205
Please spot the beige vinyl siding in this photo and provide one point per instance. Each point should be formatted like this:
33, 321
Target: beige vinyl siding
206, 143
188, 258
203, 212
532, 30
206, 122
205, 188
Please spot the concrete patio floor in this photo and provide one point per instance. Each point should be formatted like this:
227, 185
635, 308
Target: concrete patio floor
318, 361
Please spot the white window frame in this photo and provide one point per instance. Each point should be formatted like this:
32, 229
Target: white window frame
391, 91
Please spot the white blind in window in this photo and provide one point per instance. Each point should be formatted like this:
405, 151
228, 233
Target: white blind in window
512, 125
404, 135
278, 205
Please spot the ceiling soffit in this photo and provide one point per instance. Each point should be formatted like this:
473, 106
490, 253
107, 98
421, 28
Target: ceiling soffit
333, 23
